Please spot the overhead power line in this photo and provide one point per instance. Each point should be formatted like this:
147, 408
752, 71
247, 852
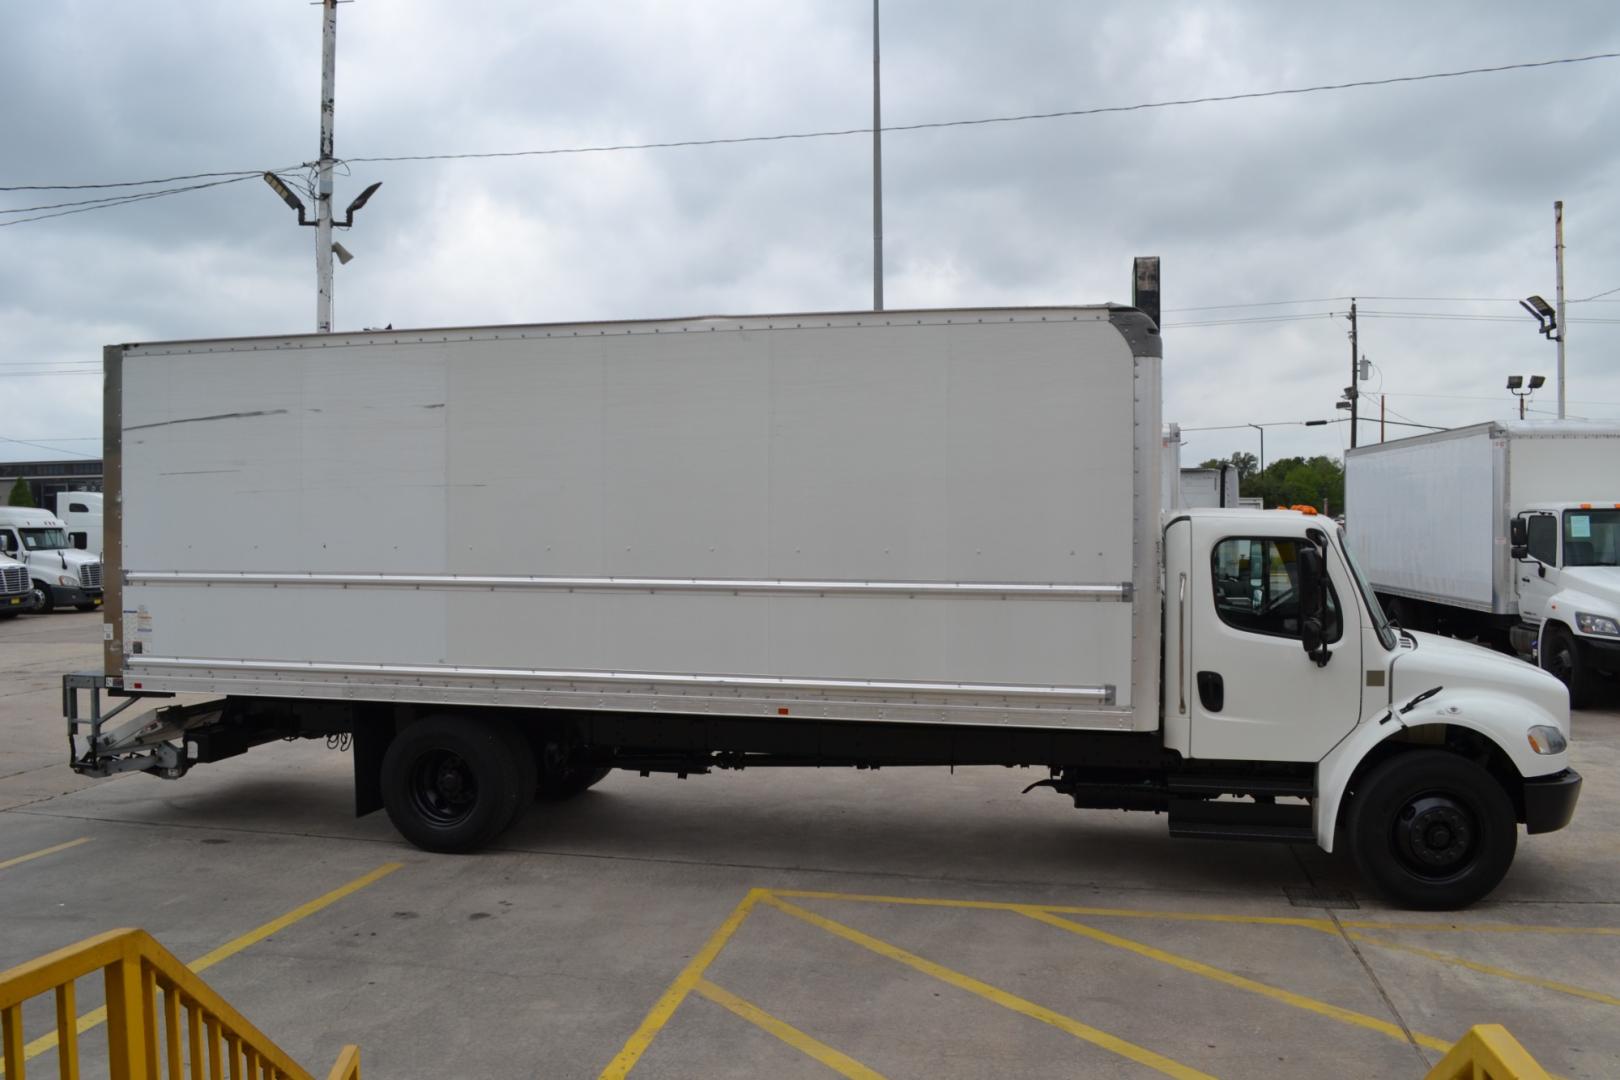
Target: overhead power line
1011, 119
215, 179
122, 200
42, 446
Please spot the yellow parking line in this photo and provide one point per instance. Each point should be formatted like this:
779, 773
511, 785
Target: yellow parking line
1287, 997
1324, 925
840, 1063
671, 998
232, 947
1068, 1024
1486, 969
42, 852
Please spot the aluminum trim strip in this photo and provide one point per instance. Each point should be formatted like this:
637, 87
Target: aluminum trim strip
778, 586
1101, 694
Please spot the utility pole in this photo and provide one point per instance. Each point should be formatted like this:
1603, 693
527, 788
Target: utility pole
1355, 385
877, 169
323, 198
1380, 413
1563, 325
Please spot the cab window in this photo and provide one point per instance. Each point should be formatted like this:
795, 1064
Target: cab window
1256, 587
1543, 538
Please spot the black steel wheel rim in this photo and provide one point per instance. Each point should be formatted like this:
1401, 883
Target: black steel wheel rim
1435, 836
443, 789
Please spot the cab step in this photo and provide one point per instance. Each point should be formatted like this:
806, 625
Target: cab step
1300, 787
1201, 819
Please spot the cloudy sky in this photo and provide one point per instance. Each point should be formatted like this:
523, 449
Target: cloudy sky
1433, 200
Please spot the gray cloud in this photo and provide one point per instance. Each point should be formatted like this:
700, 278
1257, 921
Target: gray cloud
1431, 189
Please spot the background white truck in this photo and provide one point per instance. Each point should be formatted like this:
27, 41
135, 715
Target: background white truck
1508, 532
61, 576
81, 512
868, 539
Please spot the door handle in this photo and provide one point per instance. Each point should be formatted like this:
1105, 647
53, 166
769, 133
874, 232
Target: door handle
1211, 691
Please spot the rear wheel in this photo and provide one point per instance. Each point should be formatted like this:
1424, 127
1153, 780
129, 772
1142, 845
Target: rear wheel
1561, 657
1432, 830
451, 783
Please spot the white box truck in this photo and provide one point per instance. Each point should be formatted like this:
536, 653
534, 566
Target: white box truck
868, 539
61, 576
1508, 532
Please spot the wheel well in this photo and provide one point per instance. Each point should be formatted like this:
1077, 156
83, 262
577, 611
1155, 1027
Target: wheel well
1464, 742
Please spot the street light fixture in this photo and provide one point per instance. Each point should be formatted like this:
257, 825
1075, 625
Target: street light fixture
1546, 318
1516, 386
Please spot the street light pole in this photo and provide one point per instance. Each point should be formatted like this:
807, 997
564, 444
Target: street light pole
877, 169
323, 197
1563, 325
1262, 432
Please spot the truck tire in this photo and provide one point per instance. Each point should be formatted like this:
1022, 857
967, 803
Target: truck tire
1431, 830
1561, 657
452, 783
44, 602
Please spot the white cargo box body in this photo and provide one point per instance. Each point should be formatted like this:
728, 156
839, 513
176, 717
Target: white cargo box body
1428, 516
941, 516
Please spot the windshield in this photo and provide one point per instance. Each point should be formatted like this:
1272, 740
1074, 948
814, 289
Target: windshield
1386, 634
1592, 537
44, 539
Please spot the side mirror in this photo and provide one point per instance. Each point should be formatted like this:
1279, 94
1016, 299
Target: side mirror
1519, 537
1313, 602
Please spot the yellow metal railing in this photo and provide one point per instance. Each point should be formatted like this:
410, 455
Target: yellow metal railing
144, 1037
1487, 1052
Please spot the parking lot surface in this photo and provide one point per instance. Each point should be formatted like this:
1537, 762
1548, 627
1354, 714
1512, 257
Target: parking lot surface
898, 923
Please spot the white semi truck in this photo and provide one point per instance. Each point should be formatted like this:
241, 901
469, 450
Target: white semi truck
80, 511
61, 576
16, 588
1507, 532
859, 539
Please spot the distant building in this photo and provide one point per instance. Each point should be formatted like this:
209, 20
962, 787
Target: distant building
46, 478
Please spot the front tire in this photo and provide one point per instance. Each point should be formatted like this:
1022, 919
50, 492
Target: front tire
451, 783
44, 602
1431, 830
1561, 657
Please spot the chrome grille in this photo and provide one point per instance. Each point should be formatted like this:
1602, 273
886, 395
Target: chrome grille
14, 579
90, 576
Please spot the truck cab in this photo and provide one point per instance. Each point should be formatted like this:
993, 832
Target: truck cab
1427, 751
59, 574
16, 589
1567, 557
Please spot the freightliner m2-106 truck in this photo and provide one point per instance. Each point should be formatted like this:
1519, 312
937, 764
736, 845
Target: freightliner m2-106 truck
1508, 532
868, 539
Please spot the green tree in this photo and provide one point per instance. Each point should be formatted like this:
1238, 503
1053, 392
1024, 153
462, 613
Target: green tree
21, 494
1245, 464
1317, 481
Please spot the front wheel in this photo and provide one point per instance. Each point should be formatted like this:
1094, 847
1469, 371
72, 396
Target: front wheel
44, 602
1431, 830
1561, 657
451, 783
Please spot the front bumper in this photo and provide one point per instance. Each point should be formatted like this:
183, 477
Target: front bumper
1549, 801
69, 596
17, 603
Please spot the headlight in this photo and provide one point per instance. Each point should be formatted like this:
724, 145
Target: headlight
1545, 739
70, 582
1597, 624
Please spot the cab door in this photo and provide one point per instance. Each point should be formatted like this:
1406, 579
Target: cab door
1255, 693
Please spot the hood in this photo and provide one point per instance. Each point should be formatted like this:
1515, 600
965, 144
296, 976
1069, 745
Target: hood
74, 557
1598, 583
1458, 665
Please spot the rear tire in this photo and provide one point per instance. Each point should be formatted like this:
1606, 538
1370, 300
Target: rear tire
451, 783
1561, 657
1431, 830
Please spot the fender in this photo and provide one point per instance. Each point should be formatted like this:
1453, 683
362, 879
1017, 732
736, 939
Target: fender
1503, 719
